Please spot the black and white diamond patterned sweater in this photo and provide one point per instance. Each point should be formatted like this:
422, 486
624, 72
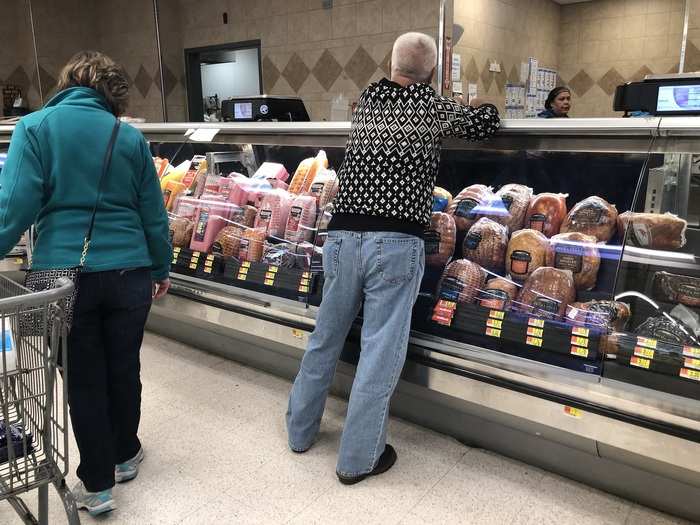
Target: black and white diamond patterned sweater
393, 154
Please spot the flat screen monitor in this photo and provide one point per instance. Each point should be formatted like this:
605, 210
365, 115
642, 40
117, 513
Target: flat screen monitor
243, 111
678, 99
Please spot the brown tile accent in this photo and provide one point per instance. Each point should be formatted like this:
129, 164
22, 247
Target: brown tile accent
674, 69
327, 70
471, 72
640, 74
385, 65
143, 81
692, 57
361, 67
581, 83
296, 72
19, 78
48, 82
610, 81
514, 75
270, 74
486, 77
169, 79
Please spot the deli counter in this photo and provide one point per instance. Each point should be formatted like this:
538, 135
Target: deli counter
559, 316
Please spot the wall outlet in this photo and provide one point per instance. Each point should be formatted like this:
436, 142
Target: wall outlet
494, 67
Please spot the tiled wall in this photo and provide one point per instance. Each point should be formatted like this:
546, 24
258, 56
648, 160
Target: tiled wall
507, 31
607, 42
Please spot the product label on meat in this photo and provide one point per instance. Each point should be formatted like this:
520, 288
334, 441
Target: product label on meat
243, 249
217, 248
640, 234
473, 240
688, 294
202, 222
465, 207
451, 289
317, 189
265, 216
432, 238
589, 214
538, 222
171, 235
507, 201
294, 218
546, 304
496, 299
566, 261
520, 262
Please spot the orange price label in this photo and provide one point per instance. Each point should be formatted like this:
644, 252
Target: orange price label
535, 322
581, 352
573, 412
640, 362
647, 353
690, 374
579, 341
691, 351
497, 314
534, 341
536, 332
580, 330
646, 342
494, 323
692, 363
493, 332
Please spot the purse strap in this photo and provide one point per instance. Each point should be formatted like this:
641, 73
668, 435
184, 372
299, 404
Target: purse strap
100, 186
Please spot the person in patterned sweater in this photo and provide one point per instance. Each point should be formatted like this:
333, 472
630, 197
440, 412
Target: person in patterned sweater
373, 257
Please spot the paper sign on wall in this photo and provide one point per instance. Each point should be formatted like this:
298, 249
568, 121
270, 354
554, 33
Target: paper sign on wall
456, 67
471, 91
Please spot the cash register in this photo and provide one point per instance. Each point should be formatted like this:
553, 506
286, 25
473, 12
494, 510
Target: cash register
262, 108
663, 95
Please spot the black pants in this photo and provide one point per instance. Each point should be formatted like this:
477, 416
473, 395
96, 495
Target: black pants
104, 385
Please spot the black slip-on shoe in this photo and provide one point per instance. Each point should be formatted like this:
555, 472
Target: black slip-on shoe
386, 461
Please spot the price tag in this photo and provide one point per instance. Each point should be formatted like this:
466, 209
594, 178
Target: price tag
691, 351
451, 305
304, 282
174, 260
269, 282
579, 341
193, 266
297, 333
304, 289
270, 275
207, 270
534, 341
445, 321
273, 269
579, 330
573, 412
245, 264
640, 362
242, 277
647, 353
646, 342
210, 257
176, 250
306, 275
581, 352
536, 332
692, 363
244, 271
535, 322
493, 332
494, 323
497, 314
690, 374
208, 263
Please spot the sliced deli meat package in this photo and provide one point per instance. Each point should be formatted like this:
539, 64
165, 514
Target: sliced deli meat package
527, 251
181, 230
609, 315
271, 170
306, 173
461, 281
252, 245
464, 207
486, 243
211, 217
325, 187
440, 239
273, 213
653, 230
592, 216
546, 213
228, 241
498, 294
547, 292
301, 219
578, 253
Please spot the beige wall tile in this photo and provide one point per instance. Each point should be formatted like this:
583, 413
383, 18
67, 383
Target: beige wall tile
344, 21
298, 28
396, 15
319, 25
635, 7
657, 24
369, 18
655, 47
634, 26
632, 48
612, 28
569, 33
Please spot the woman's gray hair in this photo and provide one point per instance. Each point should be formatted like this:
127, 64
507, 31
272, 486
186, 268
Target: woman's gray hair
414, 56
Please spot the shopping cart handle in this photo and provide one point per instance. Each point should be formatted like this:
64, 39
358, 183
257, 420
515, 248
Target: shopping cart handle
19, 298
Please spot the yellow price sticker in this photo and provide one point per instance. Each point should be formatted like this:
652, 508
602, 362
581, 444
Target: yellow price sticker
208, 263
690, 374
269, 282
196, 254
573, 412
581, 352
273, 269
494, 323
640, 362
647, 353
451, 305
497, 314
245, 264
304, 282
304, 289
691, 351
534, 341
244, 271
692, 363
270, 275
579, 341
580, 330
493, 332
535, 332
176, 250
305, 275
207, 270
210, 257
535, 322
297, 333
193, 266
242, 277
646, 342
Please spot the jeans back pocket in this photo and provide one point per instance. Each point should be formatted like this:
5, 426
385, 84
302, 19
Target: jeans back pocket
397, 259
331, 255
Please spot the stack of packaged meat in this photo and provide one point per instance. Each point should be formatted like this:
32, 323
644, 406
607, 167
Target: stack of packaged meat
486, 244
465, 206
306, 173
578, 253
252, 244
440, 239
324, 187
527, 251
653, 230
273, 213
461, 281
301, 220
593, 216
498, 294
547, 292
228, 241
546, 213
511, 205
612, 315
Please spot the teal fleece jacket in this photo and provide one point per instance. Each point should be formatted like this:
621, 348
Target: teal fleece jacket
50, 178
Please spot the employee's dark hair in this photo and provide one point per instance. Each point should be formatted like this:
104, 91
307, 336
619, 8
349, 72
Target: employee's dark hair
554, 94
96, 70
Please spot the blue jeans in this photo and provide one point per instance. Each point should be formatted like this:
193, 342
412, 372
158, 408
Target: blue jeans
384, 270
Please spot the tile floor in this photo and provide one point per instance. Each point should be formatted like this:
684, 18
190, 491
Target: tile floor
216, 453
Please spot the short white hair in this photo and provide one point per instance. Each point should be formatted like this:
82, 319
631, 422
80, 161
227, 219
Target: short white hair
414, 56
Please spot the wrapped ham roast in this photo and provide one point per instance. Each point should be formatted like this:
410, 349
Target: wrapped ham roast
273, 212
666, 329
592, 216
228, 241
461, 281
516, 201
462, 207
612, 314
498, 294
675, 288
546, 213
576, 252
441, 199
181, 231
251, 247
301, 220
548, 291
486, 244
527, 251
440, 239
653, 230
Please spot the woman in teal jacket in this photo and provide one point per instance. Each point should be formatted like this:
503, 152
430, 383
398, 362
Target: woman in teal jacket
50, 179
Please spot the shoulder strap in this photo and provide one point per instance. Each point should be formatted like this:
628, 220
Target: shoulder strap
100, 186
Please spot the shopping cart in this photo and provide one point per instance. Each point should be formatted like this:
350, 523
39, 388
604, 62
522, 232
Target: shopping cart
33, 400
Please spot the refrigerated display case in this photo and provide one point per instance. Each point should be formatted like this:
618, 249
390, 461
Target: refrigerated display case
567, 338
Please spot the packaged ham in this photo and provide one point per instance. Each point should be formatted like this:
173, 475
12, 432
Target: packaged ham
547, 292
248, 192
180, 231
546, 213
324, 187
301, 220
576, 252
252, 243
441, 199
461, 281
306, 173
613, 315
527, 251
512, 200
226, 184
593, 216
674, 288
498, 294
653, 230
228, 241
463, 206
212, 215
273, 213
440, 239
485, 244
186, 207
324, 219
271, 170
666, 329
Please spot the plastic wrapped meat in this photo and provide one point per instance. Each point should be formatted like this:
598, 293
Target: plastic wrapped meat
486, 243
248, 192
667, 330
441, 199
592, 216
610, 314
273, 213
576, 252
547, 292
510, 206
463, 206
301, 220
653, 230
181, 232
211, 217
243, 216
306, 173
324, 219
440, 239
251, 247
546, 213
498, 294
527, 251
461, 281
281, 255
271, 170
228, 241
674, 288
324, 187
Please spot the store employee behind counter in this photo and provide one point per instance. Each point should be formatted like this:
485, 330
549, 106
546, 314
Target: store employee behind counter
374, 252
558, 103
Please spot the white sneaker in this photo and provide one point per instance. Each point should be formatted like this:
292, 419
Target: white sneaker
95, 503
129, 469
